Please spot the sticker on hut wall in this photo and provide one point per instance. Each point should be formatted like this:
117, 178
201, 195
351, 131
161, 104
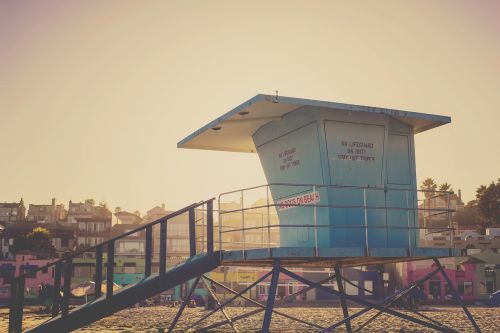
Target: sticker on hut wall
356, 151
288, 159
301, 200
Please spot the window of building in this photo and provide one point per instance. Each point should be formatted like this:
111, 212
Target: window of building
30, 271
368, 285
486, 287
350, 289
262, 289
465, 288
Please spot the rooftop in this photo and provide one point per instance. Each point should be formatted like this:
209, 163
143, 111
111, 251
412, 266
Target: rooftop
233, 131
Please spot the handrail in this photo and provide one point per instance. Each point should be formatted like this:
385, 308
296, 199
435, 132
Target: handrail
144, 226
440, 210
371, 187
411, 207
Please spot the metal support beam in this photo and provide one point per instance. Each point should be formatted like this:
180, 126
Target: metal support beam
241, 294
183, 305
365, 303
253, 312
393, 298
345, 309
456, 295
386, 300
230, 300
221, 307
271, 296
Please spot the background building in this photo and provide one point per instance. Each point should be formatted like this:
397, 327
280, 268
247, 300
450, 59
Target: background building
12, 212
46, 213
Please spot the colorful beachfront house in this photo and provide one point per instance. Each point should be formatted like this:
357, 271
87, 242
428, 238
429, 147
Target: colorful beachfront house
475, 277
25, 262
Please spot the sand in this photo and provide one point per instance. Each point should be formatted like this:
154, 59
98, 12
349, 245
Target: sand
155, 319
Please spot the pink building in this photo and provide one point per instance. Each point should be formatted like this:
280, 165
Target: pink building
462, 276
24, 262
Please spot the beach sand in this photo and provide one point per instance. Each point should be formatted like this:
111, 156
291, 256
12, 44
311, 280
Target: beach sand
154, 319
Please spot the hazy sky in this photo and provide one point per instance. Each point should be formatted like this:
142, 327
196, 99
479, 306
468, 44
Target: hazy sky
94, 95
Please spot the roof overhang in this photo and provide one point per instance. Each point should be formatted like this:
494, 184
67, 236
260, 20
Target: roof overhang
233, 131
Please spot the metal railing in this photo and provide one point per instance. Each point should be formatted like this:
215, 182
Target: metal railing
63, 267
240, 210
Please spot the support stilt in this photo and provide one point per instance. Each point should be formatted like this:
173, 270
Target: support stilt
383, 307
395, 297
253, 312
456, 296
345, 309
365, 303
230, 300
263, 306
271, 295
219, 305
183, 305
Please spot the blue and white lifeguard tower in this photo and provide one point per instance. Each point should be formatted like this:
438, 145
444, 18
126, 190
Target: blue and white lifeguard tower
341, 192
341, 187
342, 177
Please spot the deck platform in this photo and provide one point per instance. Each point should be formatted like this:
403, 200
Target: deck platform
330, 257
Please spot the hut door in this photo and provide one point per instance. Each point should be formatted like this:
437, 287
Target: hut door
355, 158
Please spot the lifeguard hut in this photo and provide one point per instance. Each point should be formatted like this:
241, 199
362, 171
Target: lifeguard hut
341, 187
341, 177
341, 192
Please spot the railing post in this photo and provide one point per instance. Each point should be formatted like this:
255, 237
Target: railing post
268, 222
210, 226
220, 225
450, 225
243, 222
408, 223
110, 269
20, 302
98, 272
57, 290
192, 233
202, 228
67, 286
367, 251
315, 224
163, 248
16, 305
147, 255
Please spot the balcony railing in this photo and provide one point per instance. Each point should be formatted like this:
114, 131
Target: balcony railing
249, 218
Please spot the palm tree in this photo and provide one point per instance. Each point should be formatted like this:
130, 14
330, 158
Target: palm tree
446, 187
428, 185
